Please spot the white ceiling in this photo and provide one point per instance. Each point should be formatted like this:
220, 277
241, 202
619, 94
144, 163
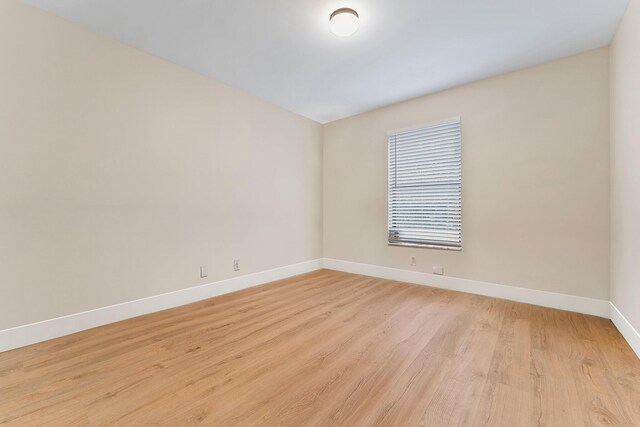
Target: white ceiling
283, 52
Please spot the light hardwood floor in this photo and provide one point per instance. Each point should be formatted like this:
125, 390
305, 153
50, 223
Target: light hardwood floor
334, 349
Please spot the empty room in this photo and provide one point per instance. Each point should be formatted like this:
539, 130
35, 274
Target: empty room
320, 213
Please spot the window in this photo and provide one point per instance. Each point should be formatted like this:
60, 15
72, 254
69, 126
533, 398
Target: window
425, 186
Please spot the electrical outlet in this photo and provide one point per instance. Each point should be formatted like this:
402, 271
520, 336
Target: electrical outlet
438, 270
236, 265
412, 260
203, 271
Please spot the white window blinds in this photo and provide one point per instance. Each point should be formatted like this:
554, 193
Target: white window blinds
425, 186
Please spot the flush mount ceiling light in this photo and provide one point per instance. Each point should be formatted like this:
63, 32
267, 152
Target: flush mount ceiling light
344, 22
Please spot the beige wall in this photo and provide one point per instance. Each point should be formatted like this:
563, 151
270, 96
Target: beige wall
535, 179
121, 174
625, 166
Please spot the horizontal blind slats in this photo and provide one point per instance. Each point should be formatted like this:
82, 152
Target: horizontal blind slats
417, 162
399, 173
417, 143
425, 201
427, 157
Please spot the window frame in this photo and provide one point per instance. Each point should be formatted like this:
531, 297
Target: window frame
427, 245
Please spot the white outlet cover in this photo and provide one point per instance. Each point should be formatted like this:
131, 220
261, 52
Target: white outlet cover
438, 270
203, 272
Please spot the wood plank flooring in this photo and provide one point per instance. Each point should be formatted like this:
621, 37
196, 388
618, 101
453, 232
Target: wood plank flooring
331, 349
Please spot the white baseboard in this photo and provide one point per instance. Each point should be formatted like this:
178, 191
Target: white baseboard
626, 329
42, 331
48, 329
596, 307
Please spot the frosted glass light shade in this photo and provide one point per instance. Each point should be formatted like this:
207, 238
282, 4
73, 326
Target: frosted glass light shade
344, 22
